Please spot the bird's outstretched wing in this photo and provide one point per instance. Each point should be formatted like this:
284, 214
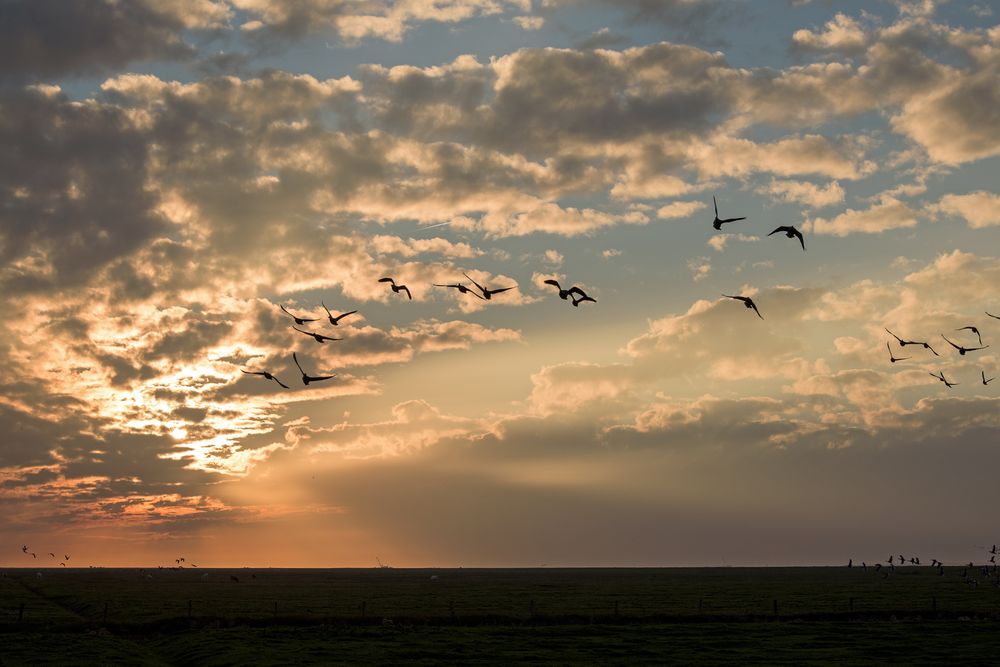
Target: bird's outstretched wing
481, 288
950, 343
731, 220
996, 317
894, 336
296, 360
555, 283
280, 382
779, 229
407, 290
328, 313
251, 372
321, 377
387, 280
754, 306
716, 205
576, 290
502, 289
798, 235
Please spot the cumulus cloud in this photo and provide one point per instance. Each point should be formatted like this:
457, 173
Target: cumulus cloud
888, 214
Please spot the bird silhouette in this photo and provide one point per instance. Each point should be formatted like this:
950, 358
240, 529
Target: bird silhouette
985, 382
24, 549
717, 223
320, 338
266, 376
892, 358
791, 233
973, 330
940, 376
996, 317
488, 293
904, 343
961, 349
397, 288
335, 321
298, 320
463, 289
568, 293
747, 301
306, 378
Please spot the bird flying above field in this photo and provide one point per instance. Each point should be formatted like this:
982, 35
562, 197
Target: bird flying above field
717, 223
893, 359
973, 330
24, 549
298, 320
397, 288
488, 293
791, 233
985, 382
747, 301
306, 378
266, 376
962, 350
320, 338
463, 289
335, 321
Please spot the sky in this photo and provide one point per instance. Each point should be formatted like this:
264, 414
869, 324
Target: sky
173, 171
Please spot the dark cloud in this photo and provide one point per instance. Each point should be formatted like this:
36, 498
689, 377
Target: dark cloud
43, 40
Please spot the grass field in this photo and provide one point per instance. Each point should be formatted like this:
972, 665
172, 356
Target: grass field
763, 616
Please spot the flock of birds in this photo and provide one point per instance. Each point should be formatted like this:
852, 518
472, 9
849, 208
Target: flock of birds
989, 569
961, 349
574, 294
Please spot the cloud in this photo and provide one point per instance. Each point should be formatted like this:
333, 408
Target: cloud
42, 40
803, 192
842, 33
679, 209
979, 209
888, 214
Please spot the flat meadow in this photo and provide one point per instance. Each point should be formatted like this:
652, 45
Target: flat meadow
816, 615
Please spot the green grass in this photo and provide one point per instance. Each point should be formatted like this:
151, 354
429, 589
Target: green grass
610, 616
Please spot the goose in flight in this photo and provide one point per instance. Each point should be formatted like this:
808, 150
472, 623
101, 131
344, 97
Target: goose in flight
892, 358
397, 288
298, 320
461, 288
488, 293
266, 376
306, 378
717, 223
24, 549
940, 376
985, 382
973, 330
962, 350
904, 343
747, 301
320, 338
568, 293
335, 321
791, 233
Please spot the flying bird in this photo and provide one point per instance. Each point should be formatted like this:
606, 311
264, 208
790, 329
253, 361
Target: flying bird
320, 338
488, 293
463, 289
973, 330
298, 320
962, 350
985, 382
335, 321
940, 376
266, 376
892, 358
397, 288
904, 343
568, 293
747, 301
791, 233
306, 378
717, 223
24, 549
